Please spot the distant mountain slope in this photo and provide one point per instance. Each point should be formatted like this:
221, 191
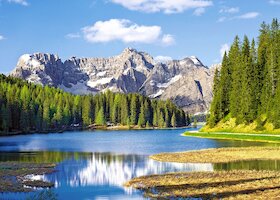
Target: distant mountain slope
186, 82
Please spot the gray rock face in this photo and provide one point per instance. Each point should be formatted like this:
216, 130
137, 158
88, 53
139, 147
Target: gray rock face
187, 82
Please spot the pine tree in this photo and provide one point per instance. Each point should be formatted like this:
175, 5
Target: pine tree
215, 109
235, 63
39, 117
224, 87
246, 82
174, 120
134, 110
46, 114
161, 122
5, 118
188, 120
124, 111
100, 118
86, 111
167, 118
141, 120
263, 69
155, 117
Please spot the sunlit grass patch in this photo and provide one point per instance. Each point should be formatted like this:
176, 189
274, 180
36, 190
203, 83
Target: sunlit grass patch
236, 136
210, 185
221, 155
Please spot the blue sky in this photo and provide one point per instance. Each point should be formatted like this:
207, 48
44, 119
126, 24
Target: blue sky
102, 28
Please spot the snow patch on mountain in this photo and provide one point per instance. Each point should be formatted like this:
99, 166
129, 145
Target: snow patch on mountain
78, 88
98, 82
29, 60
195, 60
171, 81
100, 74
160, 92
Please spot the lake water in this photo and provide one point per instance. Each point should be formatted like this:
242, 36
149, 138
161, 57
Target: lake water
96, 164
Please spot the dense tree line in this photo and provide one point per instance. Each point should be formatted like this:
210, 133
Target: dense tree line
28, 107
248, 87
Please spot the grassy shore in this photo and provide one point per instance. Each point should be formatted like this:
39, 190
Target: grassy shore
221, 155
230, 126
273, 138
232, 184
210, 185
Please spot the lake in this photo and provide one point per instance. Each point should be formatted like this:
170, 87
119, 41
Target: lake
96, 164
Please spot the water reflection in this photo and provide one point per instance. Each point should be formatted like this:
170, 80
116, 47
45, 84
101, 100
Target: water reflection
108, 169
101, 175
111, 169
249, 165
96, 173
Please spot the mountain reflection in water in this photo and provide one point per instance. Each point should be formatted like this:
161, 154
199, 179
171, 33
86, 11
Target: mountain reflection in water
112, 169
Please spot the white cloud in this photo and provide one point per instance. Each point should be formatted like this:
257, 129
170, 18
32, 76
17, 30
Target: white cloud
222, 19
73, 35
274, 2
162, 59
229, 10
168, 40
224, 48
125, 31
199, 11
249, 15
166, 6
2, 37
21, 2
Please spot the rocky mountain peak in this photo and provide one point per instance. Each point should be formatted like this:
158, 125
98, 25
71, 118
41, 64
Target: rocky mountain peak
187, 82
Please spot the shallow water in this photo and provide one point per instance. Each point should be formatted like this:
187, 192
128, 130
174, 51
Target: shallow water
96, 164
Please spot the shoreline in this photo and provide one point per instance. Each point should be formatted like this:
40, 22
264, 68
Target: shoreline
236, 184
250, 137
17, 176
225, 184
220, 155
105, 128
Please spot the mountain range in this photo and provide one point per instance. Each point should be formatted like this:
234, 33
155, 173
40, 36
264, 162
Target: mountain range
187, 82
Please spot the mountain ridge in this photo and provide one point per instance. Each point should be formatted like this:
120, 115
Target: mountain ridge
187, 82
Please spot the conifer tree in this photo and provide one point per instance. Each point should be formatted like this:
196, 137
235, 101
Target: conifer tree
141, 120
124, 111
86, 111
174, 120
100, 118
215, 109
224, 86
235, 62
46, 114
134, 110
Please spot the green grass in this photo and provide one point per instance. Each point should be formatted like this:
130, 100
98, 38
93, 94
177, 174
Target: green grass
236, 136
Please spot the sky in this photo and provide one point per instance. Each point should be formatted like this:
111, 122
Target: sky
101, 28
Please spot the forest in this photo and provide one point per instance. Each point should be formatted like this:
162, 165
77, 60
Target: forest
247, 87
26, 107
